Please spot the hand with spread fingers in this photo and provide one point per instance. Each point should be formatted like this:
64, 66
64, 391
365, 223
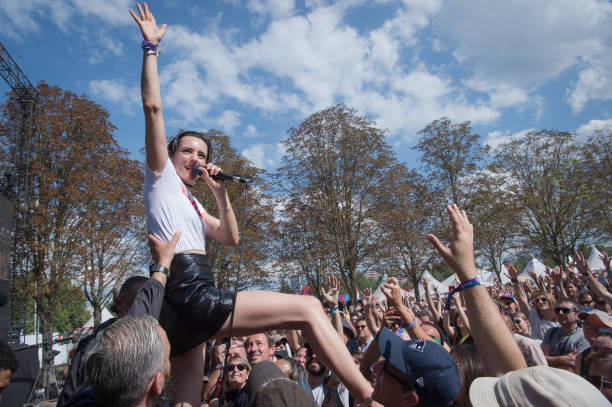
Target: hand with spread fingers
459, 255
331, 295
146, 21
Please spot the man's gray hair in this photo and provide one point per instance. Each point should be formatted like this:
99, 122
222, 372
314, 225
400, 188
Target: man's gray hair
123, 359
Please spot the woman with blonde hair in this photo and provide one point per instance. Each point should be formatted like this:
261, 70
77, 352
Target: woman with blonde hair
542, 315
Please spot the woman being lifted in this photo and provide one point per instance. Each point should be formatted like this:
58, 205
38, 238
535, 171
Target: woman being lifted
194, 310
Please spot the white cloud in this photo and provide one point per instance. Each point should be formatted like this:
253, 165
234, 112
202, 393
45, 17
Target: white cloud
251, 131
593, 83
587, 130
267, 156
497, 137
523, 43
115, 91
228, 120
274, 8
304, 63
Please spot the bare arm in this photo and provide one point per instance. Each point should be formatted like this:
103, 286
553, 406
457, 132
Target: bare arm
446, 324
496, 346
594, 284
393, 292
461, 311
155, 135
331, 296
430, 303
519, 292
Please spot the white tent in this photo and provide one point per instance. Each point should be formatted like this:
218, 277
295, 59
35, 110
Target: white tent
534, 265
106, 315
594, 261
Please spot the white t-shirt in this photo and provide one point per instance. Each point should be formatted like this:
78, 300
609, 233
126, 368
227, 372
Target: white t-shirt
539, 326
170, 207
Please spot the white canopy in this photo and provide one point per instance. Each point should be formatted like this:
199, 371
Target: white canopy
534, 265
106, 315
594, 261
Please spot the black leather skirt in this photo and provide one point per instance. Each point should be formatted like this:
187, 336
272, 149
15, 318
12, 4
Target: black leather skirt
194, 309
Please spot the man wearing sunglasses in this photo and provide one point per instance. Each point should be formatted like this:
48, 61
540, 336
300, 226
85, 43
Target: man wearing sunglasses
413, 372
561, 344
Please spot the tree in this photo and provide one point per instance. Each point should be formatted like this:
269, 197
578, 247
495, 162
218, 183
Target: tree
493, 210
408, 206
332, 174
71, 133
548, 179
260, 225
450, 151
113, 229
597, 156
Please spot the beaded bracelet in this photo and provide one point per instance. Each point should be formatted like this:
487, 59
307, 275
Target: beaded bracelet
410, 325
150, 48
461, 287
333, 311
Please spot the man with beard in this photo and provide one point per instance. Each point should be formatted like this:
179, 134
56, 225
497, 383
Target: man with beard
324, 387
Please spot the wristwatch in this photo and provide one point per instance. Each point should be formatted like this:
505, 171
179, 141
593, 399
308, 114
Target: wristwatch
158, 268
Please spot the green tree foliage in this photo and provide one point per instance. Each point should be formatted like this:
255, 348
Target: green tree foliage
72, 312
550, 183
334, 169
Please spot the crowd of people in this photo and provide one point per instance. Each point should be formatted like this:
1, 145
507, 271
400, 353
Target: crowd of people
544, 341
532, 342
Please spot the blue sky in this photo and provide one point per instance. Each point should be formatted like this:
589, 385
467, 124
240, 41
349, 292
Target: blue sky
254, 68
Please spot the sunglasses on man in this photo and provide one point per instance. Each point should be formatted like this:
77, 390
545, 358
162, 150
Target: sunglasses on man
564, 310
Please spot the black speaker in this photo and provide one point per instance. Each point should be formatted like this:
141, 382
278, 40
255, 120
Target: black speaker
17, 392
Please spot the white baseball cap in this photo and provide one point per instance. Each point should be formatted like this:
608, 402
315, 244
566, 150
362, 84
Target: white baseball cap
538, 386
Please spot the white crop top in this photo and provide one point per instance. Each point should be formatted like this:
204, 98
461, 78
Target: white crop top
170, 207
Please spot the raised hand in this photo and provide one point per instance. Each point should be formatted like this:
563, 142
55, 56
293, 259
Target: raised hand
605, 259
392, 290
512, 273
459, 255
331, 295
367, 296
146, 21
391, 317
581, 263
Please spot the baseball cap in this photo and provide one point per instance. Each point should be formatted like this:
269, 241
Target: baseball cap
508, 296
431, 370
538, 386
597, 318
269, 386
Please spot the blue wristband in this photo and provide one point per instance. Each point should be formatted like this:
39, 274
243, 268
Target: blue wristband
463, 286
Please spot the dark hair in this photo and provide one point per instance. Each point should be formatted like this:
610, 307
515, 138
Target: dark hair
423, 313
271, 342
7, 358
575, 306
469, 364
131, 282
173, 145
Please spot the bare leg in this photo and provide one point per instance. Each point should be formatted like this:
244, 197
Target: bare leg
258, 311
187, 371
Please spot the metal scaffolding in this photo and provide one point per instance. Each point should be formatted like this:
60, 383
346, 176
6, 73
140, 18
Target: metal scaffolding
16, 183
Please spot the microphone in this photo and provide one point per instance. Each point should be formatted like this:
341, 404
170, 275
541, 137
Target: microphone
222, 176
